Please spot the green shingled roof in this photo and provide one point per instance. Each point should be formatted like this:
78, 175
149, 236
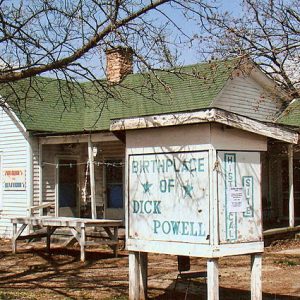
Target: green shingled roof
291, 115
58, 107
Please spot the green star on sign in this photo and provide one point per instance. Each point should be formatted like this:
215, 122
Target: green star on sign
146, 187
187, 190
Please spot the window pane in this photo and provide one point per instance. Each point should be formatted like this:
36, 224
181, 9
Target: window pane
114, 183
67, 192
114, 171
115, 196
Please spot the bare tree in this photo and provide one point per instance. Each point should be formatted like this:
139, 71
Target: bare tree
268, 31
60, 39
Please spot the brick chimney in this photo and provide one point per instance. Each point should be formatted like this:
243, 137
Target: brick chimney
119, 63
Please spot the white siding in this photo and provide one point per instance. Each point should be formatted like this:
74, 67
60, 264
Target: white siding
36, 172
49, 172
14, 152
244, 96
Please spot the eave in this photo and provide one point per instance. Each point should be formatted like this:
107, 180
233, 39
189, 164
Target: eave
206, 116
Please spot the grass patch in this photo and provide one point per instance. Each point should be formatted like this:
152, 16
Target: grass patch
6, 296
286, 262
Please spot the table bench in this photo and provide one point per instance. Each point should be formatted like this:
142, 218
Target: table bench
77, 227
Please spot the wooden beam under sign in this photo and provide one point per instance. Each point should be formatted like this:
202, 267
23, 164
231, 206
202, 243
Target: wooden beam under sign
270, 130
162, 120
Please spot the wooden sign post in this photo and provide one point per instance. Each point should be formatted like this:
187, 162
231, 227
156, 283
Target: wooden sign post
194, 191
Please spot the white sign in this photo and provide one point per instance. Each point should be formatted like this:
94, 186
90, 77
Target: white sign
236, 201
169, 197
239, 196
14, 179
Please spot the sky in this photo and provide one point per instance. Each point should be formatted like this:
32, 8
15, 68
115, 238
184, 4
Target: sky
189, 54
231, 5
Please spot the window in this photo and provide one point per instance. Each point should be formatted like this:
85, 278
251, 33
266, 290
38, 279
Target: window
67, 191
114, 183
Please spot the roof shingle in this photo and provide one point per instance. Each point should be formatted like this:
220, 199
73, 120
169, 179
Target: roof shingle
291, 115
58, 107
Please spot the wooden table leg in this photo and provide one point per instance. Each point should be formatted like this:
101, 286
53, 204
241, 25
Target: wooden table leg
48, 238
82, 243
16, 234
14, 239
50, 231
115, 247
113, 237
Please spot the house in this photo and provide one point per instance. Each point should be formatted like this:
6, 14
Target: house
56, 145
278, 165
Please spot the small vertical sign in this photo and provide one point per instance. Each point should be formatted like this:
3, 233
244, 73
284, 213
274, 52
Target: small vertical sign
248, 189
239, 196
230, 182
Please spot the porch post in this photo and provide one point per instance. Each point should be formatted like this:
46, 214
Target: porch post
40, 178
92, 178
291, 187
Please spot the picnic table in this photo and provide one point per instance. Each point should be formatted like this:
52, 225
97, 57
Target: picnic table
77, 227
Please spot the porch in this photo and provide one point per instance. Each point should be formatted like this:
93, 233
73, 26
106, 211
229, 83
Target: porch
79, 176
281, 186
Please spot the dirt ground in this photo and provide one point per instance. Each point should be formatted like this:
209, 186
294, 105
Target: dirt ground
34, 274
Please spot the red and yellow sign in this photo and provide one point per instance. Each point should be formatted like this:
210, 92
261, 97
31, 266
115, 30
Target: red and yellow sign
14, 179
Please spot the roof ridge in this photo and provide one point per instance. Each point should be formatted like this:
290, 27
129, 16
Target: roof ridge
167, 70
136, 95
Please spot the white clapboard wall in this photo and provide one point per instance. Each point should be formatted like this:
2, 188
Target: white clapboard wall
15, 157
244, 96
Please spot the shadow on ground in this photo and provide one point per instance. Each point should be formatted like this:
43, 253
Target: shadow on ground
34, 274
224, 294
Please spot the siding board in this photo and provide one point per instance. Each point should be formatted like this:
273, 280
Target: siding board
244, 96
14, 153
